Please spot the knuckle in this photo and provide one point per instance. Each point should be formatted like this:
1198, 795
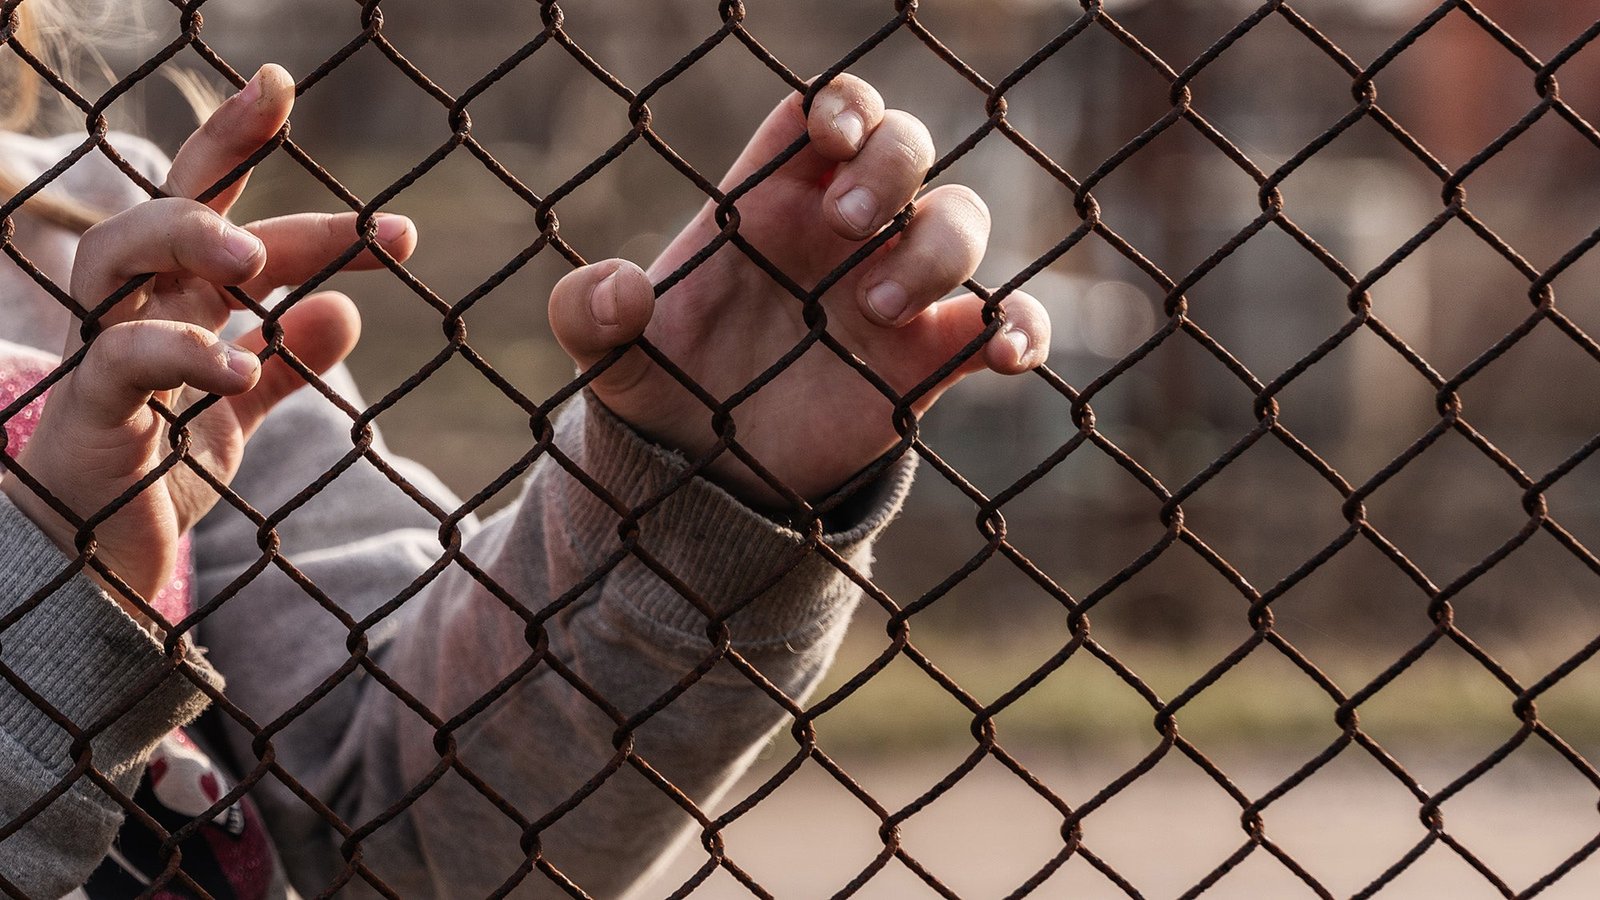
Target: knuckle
180, 207
909, 155
107, 233
336, 227
199, 213
849, 89
909, 145
193, 339
932, 264
113, 348
179, 218
966, 206
175, 340
913, 134
92, 242
215, 227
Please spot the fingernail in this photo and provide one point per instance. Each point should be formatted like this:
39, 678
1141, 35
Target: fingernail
603, 302
887, 299
858, 208
392, 228
240, 360
252, 89
850, 127
1018, 341
242, 245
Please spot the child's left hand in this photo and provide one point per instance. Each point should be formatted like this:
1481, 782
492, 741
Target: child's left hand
97, 437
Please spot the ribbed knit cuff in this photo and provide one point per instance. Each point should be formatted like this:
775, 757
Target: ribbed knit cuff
84, 656
719, 547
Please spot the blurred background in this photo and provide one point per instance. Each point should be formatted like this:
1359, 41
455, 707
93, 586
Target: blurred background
1176, 410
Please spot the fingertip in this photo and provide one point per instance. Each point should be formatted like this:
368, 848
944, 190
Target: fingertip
260, 108
320, 330
274, 76
397, 235
246, 250
242, 362
327, 326
1023, 342
604, 302
857, 212
885, 302
623, 299
1008, 351
274, 87
843, 113
599, 307
870, 188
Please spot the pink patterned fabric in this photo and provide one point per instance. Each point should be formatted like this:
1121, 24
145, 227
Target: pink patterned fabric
19, 374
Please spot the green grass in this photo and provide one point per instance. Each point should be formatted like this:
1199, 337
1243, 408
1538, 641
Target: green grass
1443, 701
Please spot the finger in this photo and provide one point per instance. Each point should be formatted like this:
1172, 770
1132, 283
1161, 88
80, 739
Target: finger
879, 181
237, 129
299, 246
130, 361
320, 331
166, 235
179, 298
1023, 343
946, 328
832, 139
939, 249
598, 308
843, 113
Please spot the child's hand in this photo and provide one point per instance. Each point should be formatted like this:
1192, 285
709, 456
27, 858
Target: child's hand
819, 422
97, 437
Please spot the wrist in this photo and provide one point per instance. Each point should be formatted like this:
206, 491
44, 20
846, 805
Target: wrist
64, 536
673, 433
730, 474
47, 520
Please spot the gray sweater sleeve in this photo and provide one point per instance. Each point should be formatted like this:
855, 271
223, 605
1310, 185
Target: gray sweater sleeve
59, 633
85, 659
545, 612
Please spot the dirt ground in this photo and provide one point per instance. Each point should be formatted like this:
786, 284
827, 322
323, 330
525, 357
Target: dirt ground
990, 833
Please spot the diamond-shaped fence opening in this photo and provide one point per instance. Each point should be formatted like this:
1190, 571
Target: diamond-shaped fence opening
1274, 580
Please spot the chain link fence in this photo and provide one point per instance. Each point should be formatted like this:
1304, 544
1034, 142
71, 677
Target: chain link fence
1265, 392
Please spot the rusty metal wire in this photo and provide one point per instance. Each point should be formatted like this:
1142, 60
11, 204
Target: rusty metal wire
1257, 608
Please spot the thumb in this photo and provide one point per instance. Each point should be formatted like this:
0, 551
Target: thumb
130, 361
599, 308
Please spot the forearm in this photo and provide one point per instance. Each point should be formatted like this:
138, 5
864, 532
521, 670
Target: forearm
85, 658
629, 641
456, 639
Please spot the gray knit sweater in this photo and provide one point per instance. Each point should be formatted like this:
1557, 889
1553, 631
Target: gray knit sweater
362, 543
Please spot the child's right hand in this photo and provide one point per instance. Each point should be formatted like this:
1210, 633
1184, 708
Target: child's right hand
816, 425
97, 437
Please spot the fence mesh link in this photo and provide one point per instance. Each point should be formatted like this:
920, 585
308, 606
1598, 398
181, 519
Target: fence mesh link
1256, 602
